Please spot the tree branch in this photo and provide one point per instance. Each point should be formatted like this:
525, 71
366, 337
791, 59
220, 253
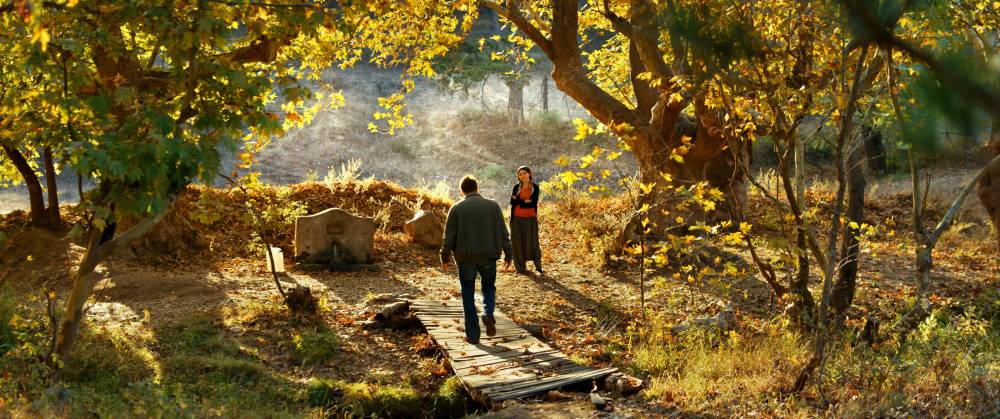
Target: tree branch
514, 15
949, 216
967, 88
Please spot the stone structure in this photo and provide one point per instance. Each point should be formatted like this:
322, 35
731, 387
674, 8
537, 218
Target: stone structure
425, 228
334, 238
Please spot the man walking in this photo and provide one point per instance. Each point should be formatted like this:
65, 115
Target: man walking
476, 234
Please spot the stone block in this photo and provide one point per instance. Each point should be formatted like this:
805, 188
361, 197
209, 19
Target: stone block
334, 237
425, 228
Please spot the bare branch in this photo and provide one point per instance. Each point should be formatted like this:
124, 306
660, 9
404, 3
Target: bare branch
952, 212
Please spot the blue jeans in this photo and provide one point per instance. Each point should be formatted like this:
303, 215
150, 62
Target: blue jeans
467, 277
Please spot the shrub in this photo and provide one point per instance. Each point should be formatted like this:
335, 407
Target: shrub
314, 346
8, 307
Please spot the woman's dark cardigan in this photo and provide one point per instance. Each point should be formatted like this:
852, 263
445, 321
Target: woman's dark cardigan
515, 202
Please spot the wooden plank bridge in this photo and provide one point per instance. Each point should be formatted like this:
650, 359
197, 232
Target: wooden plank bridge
510, 365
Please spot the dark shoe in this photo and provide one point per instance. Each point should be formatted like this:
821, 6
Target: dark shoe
491, 325
524, 272
472, 341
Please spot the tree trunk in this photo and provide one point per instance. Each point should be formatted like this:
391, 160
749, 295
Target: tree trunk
100, 246
38, 218
54, 221
655, 125
724, 172
482, 94
515, 101
843, 290
545, 93
988, 188
874, 150
804, 308
83, 285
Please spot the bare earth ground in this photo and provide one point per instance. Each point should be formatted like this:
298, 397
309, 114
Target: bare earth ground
564, 301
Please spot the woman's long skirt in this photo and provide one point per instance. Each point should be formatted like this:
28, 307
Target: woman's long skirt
524, 239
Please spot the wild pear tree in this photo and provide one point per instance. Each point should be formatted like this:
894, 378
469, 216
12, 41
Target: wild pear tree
153, 89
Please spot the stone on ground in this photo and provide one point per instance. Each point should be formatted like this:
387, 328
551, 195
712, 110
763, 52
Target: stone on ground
425, 228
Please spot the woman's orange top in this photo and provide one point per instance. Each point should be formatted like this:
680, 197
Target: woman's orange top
524, 194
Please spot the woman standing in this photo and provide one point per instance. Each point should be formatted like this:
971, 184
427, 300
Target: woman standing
524, 222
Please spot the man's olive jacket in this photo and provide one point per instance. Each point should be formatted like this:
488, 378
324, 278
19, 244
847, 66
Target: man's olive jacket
475, 231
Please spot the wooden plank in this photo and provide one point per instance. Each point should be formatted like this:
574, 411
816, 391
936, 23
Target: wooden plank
506, 364
514, 379
510, 364
570, 376
504, 356
549, 354
465, 351
551, 384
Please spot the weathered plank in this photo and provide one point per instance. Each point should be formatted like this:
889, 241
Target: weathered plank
509, 365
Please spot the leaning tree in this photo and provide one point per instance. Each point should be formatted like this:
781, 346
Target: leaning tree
153, 90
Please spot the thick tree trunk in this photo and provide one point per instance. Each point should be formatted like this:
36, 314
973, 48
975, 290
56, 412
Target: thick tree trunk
665, 205
545, 93
988, 188
515, 102
843, 290
35, 197
54, 221
655, 126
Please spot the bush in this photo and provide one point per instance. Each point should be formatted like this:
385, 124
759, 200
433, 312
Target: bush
314, 346
8, 307
491, 173
213, 369
339, 398
593, 225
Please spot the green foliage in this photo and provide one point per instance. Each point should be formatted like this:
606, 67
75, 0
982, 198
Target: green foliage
493, 172
718, 38
451, 399
314, 346
8, 308
988, 303
549, 118
270, 212
341, 398
467, 66
214, 369
110, 358
709, 371
143, 95
363, 400
208, 209
945, 368
197, 334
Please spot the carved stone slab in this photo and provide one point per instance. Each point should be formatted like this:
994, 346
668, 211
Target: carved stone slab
334, 236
